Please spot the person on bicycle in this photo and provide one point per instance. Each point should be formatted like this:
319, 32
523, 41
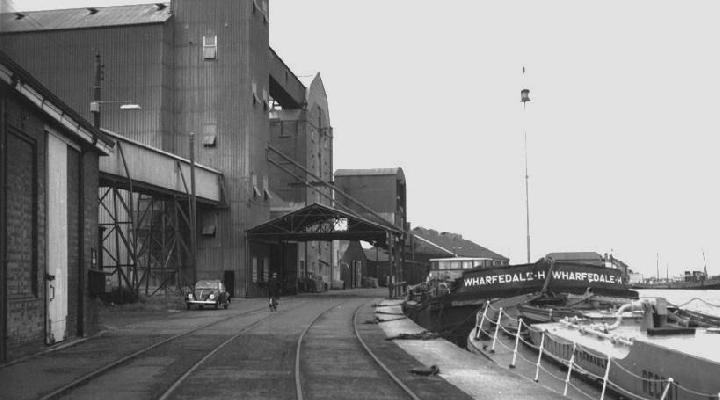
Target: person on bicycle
273, 292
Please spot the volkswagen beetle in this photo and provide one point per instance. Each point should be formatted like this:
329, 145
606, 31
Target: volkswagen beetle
209, 293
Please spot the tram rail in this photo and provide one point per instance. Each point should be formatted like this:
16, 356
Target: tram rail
97, 373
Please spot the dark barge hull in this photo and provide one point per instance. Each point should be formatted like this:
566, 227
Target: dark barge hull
439, 315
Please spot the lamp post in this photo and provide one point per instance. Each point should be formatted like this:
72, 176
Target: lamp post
95, 104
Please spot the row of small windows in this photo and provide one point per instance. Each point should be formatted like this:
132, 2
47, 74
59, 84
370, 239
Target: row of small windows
260, 272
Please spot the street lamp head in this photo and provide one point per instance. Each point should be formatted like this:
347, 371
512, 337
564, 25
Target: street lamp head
124, 105
525, 95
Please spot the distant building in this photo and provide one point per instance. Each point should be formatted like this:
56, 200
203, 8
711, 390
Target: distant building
384, 190
694, 276
635, 277
381, 195
306, 137
423, 245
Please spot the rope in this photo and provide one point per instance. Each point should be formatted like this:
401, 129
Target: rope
700, 300
701, 394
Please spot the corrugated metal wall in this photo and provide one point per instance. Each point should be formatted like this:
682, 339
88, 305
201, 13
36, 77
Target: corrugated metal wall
64, 61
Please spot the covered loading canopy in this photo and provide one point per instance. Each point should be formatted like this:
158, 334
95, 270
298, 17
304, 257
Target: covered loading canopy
318, 222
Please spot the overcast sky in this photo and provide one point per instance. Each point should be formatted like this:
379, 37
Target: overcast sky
622, 130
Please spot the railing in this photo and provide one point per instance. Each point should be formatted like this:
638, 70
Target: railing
496, 328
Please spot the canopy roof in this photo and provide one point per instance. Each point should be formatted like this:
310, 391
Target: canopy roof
320, 222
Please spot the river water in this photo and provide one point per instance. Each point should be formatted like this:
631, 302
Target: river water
704, 301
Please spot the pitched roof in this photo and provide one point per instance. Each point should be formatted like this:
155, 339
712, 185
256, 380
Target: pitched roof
433, 242
320, 222
89, 17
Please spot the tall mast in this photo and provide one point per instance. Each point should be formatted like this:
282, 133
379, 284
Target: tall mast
524, 98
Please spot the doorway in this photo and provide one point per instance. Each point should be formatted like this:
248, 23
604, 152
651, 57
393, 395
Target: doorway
56, 277
229, 280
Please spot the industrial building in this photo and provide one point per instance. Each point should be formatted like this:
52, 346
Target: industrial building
188, 66
48, 214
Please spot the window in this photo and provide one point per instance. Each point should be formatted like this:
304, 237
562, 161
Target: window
262, 7
255, 190
284, 133
265, 99
209, 229
210, 47
209, 140
266, 187
255, 96
266, 269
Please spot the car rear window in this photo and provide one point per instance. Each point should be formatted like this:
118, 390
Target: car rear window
206, 285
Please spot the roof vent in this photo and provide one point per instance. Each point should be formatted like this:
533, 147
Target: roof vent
160, 6
19, 16
92, 10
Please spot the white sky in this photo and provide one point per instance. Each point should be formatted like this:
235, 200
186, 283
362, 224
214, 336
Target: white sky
622, 131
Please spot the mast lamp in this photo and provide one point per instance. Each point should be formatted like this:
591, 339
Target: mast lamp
525, 95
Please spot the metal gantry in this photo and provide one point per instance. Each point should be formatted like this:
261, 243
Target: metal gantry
144, 233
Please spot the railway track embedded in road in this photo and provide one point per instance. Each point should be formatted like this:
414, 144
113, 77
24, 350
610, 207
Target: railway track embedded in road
97, 373
381, 366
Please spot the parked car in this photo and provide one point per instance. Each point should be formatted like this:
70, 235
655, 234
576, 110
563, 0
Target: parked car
208, 293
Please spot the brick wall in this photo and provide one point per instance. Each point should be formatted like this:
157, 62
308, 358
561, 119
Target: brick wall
25, 230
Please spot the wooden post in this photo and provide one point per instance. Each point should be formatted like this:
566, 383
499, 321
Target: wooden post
482, 320
517, 342
540, 351
95, 107
497, 329
605, 379
569, 371
667, 389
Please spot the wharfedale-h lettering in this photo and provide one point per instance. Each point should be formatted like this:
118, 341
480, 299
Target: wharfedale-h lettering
530, 276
